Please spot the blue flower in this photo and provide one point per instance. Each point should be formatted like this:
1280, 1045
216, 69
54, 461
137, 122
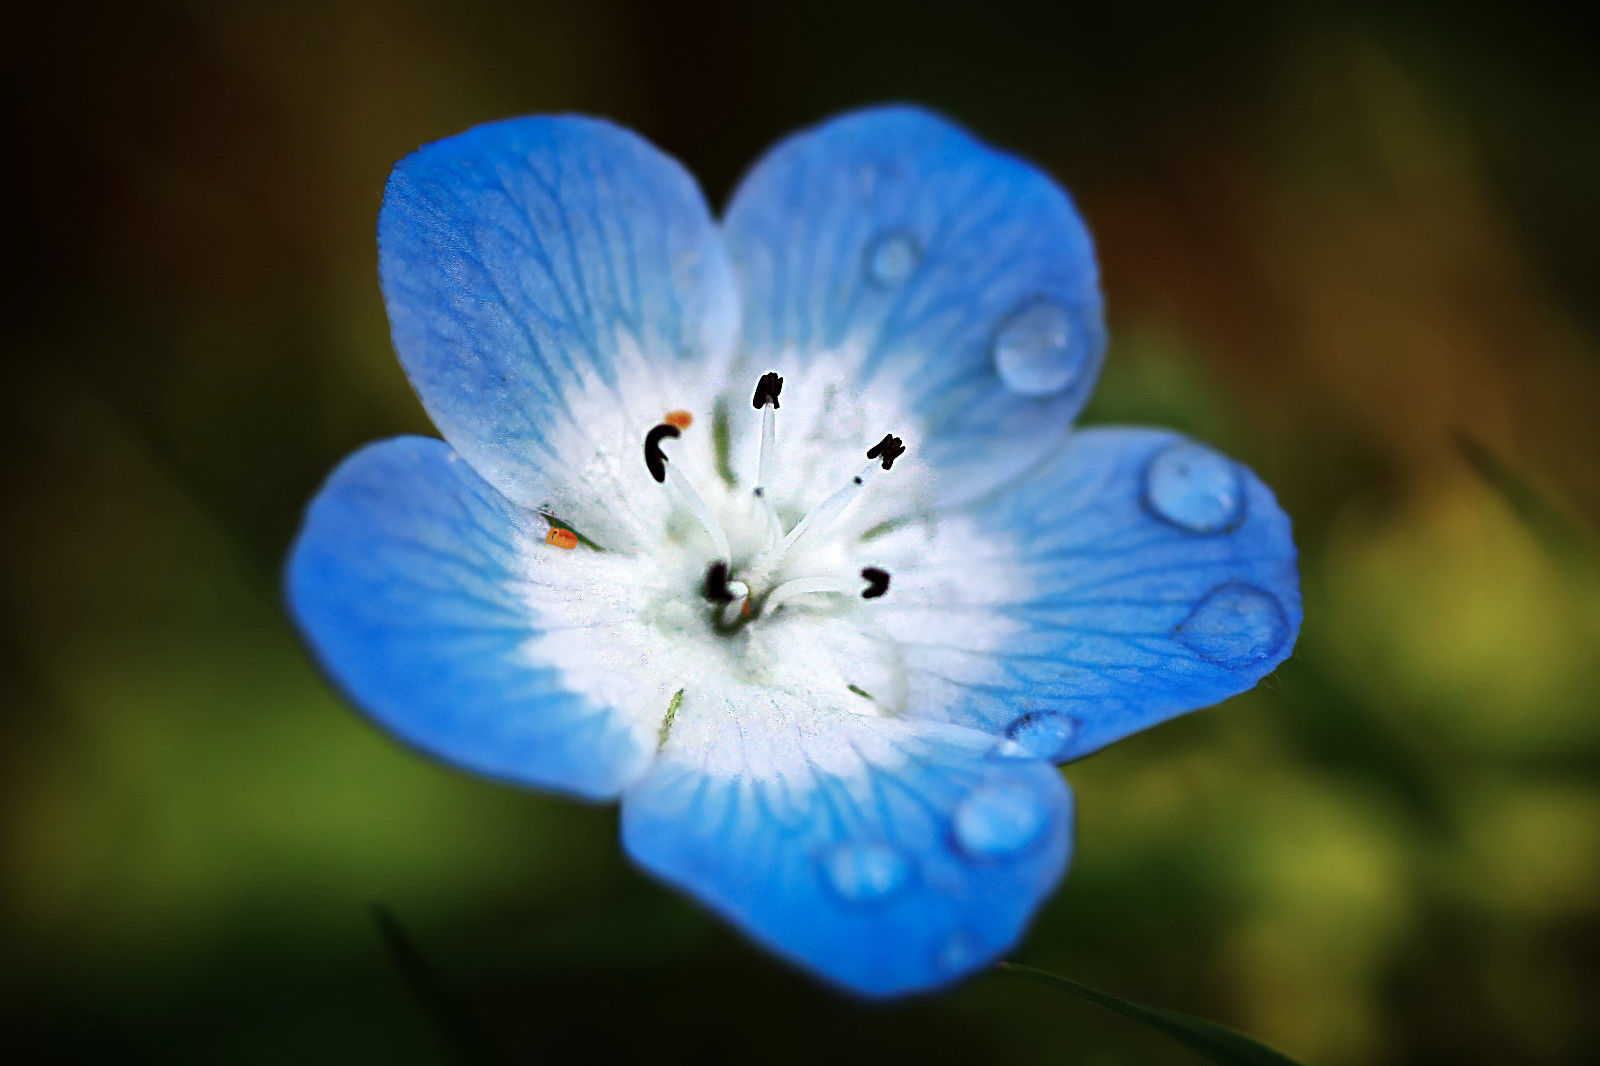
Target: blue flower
776, 529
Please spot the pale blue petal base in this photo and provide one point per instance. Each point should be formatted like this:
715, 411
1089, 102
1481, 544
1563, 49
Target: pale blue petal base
404, 580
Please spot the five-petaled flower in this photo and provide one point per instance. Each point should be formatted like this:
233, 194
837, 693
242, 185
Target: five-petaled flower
777, 529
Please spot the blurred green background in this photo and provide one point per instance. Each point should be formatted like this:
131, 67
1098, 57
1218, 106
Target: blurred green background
1355, 245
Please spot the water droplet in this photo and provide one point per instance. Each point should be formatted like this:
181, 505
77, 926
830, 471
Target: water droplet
1033, 350
1194, 488
999, 821
1041, 735
865, 871
891, 259
1235, 625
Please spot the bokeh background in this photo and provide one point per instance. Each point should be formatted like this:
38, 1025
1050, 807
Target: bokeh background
1355, 245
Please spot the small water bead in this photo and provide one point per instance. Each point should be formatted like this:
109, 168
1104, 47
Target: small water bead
866, 871
1194, 488
892, 258
1033, 350
999, 821
1235, 625
1042, 735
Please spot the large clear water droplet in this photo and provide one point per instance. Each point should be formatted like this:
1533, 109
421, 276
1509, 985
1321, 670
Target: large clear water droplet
891, 259
1235, 625
1194, 488
1041, 735
865, 871
1033, 349
999, 821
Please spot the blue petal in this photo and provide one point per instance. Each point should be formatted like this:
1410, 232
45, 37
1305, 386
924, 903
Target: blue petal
1149, 576
932, 265
406, 583
527, 262
888, 857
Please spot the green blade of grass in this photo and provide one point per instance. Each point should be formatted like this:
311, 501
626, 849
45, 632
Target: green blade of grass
1214, 1042
431, 990
1561, 535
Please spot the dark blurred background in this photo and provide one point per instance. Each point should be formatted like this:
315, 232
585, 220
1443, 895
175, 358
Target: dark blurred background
1356, 245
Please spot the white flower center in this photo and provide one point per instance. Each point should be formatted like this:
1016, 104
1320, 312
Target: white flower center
773, 570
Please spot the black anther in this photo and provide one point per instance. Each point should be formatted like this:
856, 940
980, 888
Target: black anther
767, 390
889, 448
717, 583
877, 583
655, 460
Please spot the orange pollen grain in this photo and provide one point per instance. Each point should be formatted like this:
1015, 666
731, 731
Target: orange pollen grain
562, 538
681, 419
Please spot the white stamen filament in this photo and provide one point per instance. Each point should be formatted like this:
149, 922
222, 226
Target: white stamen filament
735, 597
804, 586
821, 517
679, 483
768, 446
764, 471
